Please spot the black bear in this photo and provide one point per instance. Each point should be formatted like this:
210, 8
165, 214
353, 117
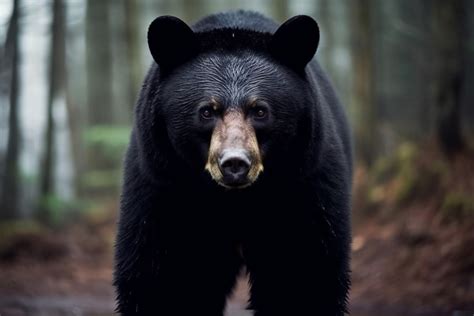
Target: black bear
240, 156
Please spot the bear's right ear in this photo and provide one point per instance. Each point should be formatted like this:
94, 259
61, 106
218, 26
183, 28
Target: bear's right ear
171, 41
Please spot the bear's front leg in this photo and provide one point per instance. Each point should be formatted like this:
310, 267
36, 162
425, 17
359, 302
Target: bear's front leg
160, 271
298, 272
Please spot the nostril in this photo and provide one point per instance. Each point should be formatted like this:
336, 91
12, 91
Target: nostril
228, 164
240, 164
235, 166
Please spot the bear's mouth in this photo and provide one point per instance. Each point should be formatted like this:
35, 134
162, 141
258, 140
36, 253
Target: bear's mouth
234, 185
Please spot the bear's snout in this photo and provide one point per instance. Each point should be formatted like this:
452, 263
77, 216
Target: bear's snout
234, 159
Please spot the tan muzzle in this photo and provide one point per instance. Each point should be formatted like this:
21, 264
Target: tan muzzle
234, 159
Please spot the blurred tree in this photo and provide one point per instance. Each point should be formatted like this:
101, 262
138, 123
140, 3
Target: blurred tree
74, 120
191, 10
102, 112
334, 47
280, 10
133, 36
9, 207
327, 30
126, 40
57, 86
449, 31
363, 81
99, 63
75, 90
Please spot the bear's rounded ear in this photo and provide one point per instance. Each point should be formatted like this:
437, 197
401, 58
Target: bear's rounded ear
295, 41
171, 41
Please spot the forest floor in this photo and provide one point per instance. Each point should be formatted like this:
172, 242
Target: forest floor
412, 260
413, 267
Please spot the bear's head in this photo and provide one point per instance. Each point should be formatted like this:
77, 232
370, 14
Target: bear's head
231, 101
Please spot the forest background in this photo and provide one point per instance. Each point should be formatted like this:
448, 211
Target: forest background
70, 71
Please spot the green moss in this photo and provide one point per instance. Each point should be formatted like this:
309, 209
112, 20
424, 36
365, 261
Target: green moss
407, 175
406, 152
438, 172
412, 175
101, 179
416, 179
406, 188
384, 169
55, 211
10, 229
110, 140
457, 205
376, 194
115, 136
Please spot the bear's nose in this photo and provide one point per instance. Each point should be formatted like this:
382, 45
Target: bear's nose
234, 165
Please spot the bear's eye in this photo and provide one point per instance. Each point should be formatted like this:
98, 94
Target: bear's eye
207, 112
260, 112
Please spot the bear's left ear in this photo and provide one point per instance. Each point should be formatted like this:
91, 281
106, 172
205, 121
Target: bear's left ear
171, 41
295, 41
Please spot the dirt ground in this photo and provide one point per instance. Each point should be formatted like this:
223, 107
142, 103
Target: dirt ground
415, 266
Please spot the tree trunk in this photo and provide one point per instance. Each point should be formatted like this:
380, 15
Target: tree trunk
326, 44
74, 117
449, 40
363, 98
133, 50
56, 88
9, 207
99, 64
280, 10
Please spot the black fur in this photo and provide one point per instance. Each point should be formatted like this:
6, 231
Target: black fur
182, 239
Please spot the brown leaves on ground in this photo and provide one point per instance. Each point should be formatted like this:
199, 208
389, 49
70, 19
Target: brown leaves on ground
413, 242
73, 260
417, 262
